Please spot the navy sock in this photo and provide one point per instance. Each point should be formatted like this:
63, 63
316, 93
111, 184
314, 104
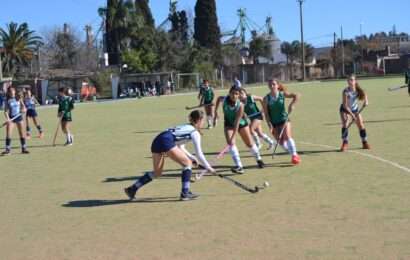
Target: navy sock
146, 178
23, 143
8, 143
345, 133
39, 128
28, 129
185, 178
363, 135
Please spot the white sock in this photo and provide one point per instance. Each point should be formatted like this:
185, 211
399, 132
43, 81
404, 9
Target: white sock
267, 139
209, 120
256, 139
255, 152
235, 156
291, 146
285, 146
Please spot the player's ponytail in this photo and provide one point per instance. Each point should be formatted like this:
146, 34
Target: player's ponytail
360, 92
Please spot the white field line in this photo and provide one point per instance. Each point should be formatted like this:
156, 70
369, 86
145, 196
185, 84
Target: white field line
394, 164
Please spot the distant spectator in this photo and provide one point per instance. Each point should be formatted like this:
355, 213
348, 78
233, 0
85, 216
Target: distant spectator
158, 87
237, 83
168, 87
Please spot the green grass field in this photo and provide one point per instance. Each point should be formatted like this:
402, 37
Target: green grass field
68, 202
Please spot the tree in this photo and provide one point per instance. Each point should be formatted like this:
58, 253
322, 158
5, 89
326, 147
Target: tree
259, 47
117, 17
289, 49
179, 26
207, 33
143, 10
63, 49
20, 44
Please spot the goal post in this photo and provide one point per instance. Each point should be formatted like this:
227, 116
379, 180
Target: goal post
187, 81
145, 84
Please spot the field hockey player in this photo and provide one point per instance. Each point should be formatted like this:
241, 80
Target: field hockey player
235, 122
168, 143
277, 117
13, 112
30, 103
350, 107
255, 116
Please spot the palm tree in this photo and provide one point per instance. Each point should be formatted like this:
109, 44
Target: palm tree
290, 51
19, 44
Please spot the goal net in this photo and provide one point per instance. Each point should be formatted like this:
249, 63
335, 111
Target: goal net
187, 81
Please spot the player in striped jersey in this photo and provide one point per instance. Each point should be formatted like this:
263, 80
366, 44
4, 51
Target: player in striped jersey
30, 103
256, 117
13, 112
171, 143
235, 122
275, 111
350, 97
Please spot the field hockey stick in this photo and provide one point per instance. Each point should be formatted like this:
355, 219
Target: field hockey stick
11, 120
218, 156
396, 88
358, 113
243, 186
198, 106
57, 129
280, 135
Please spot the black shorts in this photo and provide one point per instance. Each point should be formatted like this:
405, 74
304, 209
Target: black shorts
279, 125
229, 126
31, 113
259, 117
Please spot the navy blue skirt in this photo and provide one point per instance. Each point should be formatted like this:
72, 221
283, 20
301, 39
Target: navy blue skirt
17, 119
343, 110
163, 142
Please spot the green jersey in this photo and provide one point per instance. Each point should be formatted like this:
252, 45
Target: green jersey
276, 108
207, 94
230, 114
65, 105
251, 109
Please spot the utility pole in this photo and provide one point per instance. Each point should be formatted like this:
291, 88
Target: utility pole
39, 59
301, 39
89, 36
343, 51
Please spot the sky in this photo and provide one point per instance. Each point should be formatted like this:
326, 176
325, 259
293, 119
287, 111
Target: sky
321, 18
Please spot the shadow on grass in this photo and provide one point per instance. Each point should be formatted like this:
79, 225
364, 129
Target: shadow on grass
38, 146
175, 173
149, 131
100, 203
405, 106
318, 151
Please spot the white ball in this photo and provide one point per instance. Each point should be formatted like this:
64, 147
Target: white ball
266, 184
